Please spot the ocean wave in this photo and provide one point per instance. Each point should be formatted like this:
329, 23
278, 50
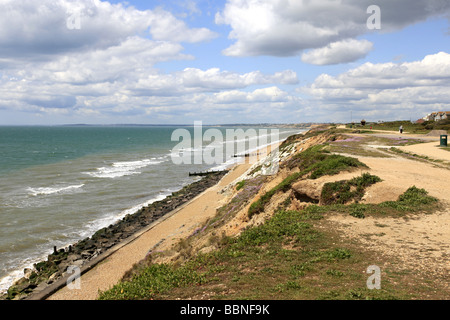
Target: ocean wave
124, 168
52, 190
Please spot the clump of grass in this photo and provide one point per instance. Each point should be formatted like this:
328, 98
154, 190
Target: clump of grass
412, 200
333, 164
285, 224
320, 162
154, 280
358, 212
416, 196
240, 185
344, 191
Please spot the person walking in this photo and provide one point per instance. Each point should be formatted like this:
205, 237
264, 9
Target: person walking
400, 129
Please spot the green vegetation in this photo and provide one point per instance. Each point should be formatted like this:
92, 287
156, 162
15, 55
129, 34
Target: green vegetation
240, 184
154, 280
259, 205
318, 162
414, 200
408, 126
341, 192
288, 257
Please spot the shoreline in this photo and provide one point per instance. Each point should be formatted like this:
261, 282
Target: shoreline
87, 253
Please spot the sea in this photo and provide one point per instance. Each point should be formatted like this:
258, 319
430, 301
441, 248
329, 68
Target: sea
60, 184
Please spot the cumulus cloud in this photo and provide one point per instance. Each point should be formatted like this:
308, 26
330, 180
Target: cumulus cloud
38, 30
288, 27
194, 80
348, 50
390, 88
164, 26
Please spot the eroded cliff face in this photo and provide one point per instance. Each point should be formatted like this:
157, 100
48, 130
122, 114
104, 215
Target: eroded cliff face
233, 218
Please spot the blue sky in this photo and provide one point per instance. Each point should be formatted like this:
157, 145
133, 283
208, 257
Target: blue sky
229, 61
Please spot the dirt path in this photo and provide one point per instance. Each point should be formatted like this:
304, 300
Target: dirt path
429, 149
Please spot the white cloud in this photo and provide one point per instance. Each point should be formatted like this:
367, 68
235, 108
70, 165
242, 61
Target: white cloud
348, 50
287, 27
164, 26
395, 89
38, 30
193, 80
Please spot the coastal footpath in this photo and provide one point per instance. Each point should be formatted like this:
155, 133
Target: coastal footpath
343, 200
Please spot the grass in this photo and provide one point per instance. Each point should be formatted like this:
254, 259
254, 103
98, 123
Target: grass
317, 161
408, 126
344, 191
154, 280
287, 257
259, 205
240, 185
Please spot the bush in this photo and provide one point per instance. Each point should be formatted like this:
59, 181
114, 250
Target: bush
416, 196
344, 191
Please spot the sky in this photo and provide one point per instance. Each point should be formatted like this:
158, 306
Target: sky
222, 62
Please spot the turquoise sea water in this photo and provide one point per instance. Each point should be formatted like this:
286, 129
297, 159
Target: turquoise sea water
60, 184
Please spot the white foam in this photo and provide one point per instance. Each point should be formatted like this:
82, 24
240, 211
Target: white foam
91, 228
124, 168
53, 190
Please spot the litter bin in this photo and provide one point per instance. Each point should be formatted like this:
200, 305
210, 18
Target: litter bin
443, 140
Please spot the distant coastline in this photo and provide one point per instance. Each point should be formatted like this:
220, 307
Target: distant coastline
233, 125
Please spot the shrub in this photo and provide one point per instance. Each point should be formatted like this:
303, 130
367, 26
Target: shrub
416, 196
344, 191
